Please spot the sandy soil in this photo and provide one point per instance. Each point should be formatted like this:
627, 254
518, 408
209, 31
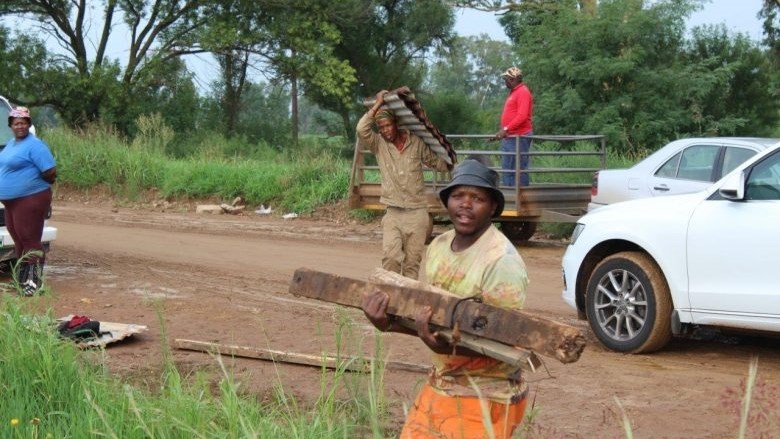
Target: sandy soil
225, 279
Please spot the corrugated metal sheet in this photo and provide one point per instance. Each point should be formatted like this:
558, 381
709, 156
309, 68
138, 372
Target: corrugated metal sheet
411, 116
110, 332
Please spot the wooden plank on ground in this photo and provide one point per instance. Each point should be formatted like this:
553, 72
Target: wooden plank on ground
510, 327
352, 364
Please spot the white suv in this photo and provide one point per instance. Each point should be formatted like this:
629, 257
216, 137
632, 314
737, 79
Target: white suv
642, 271
7, 255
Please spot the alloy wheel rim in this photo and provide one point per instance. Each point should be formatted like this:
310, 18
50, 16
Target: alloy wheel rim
621, 305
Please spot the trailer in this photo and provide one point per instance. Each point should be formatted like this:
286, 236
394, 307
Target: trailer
561, 170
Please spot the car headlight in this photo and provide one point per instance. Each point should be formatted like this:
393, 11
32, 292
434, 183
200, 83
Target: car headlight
576, 233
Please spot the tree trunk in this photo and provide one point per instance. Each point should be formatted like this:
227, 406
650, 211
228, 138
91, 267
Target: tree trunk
349, 131
294, 108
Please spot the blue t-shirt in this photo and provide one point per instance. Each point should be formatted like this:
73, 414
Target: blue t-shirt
21, 164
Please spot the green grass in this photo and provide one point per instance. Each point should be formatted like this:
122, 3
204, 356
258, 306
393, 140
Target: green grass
291, 181
50, 388
286, 178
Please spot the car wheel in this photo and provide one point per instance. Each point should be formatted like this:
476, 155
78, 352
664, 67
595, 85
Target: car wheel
518, 231
629, 306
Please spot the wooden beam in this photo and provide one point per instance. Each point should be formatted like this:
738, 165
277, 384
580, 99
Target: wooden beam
510, 327
508, 354
352, 364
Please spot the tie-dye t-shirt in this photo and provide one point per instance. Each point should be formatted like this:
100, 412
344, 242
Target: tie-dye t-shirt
492, 271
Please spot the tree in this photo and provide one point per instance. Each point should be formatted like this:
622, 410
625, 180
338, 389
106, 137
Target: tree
606, 73
741, 98
233, 66
289, 42
79, 84
386, 43
770, 12
466, 93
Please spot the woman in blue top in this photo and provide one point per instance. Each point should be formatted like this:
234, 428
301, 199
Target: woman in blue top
27, 170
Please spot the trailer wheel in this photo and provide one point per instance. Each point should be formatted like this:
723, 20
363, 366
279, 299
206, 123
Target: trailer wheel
518, 231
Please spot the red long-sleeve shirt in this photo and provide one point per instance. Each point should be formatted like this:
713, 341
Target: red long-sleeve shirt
518, 111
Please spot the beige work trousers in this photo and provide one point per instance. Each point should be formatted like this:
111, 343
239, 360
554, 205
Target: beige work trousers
404, 232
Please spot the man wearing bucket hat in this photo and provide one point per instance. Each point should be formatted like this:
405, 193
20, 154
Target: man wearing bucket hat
474, 261
27, 171
401, 156
516, 120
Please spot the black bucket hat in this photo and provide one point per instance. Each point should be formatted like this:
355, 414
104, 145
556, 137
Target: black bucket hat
473, 173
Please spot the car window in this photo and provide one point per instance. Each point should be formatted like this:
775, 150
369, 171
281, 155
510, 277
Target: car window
669, 169
693, 163
697, 162
733, 157
763, 183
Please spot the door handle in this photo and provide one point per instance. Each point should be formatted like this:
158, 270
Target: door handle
661, 188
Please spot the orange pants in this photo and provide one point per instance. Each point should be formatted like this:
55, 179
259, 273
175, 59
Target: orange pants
459, 417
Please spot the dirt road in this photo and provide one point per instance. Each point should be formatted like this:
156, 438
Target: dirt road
225, 279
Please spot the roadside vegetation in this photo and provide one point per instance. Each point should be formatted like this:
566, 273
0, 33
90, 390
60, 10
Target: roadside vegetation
296, 180
52, 389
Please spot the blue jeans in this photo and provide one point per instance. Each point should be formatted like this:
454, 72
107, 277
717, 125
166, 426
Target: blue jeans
508, 161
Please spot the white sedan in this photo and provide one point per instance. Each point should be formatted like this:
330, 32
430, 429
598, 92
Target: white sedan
681, 167
645, 270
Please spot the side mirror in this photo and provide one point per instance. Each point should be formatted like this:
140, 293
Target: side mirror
733, 188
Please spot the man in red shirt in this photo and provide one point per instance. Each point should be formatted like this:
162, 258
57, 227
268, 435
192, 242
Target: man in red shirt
516, 120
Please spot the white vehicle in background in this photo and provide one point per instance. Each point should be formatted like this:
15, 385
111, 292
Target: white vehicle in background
7, 255
644, 270
681, 167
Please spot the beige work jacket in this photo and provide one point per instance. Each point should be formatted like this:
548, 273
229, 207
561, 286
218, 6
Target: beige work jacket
402, 171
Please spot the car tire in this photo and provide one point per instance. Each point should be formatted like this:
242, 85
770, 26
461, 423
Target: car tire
518, 231
628, 304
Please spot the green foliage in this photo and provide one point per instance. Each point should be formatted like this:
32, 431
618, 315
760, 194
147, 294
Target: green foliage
87, 86
97, 156
603, 72
295, 181
741, 99
263, 117
314, 181
453, 113
468, 70
384, 42
153, 133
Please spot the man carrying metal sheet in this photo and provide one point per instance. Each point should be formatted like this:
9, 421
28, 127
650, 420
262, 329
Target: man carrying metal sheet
401, 156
